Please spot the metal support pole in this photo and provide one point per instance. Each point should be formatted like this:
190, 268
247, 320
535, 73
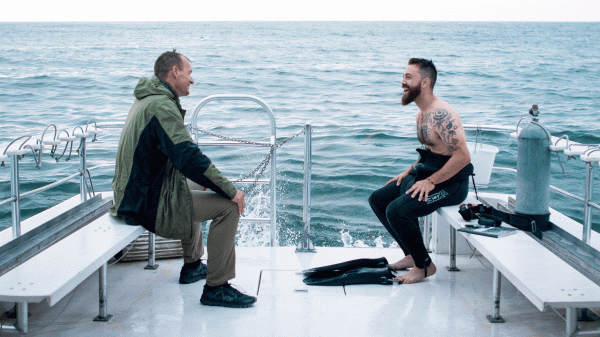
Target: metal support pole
496, 318
83, 168
102, 298
151, 251
274, 238
583, 314
21, 308
587, 213
14, 194
22, 317
571, 321
427, 232
452, 266
305, 245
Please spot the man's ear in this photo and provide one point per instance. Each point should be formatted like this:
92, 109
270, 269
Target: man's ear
425, 83
175, 71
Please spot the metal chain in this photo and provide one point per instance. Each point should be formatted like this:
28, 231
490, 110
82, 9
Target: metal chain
229, 138
263, 165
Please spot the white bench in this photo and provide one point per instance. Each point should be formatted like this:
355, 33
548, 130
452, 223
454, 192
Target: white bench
541, 276
57, 270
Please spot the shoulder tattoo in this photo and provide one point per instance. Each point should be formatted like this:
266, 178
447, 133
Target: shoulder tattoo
446, 125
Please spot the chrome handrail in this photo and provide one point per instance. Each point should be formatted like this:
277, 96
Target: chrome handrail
305, 244
554, 188
194, 128
53, 184
16, 195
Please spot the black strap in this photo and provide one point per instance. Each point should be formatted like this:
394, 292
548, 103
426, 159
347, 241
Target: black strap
481, 212
474, 187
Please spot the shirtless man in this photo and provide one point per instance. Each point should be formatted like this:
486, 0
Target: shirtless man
439, 178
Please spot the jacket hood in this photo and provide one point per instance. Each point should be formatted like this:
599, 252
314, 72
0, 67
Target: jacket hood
154, 86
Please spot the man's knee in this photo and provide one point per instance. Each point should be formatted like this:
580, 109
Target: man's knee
232, 210
375, 200
371, 199
402, 209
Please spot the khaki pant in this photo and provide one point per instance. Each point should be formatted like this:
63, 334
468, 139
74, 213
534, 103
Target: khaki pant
221, 234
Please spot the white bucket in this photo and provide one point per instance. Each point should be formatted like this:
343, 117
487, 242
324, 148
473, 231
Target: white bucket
482, 158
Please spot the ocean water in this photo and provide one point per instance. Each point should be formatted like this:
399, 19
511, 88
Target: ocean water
343, 78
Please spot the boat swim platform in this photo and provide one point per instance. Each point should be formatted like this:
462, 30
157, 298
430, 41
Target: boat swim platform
153, 303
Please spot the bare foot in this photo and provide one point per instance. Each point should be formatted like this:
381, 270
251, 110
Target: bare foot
416, 274
406, 262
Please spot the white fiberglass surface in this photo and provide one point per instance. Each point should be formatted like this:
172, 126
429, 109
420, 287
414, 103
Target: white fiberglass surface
153, 303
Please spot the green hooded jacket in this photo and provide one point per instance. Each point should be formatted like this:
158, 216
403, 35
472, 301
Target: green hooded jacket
155, 155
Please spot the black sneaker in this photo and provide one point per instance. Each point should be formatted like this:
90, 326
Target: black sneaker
226, 296
188, 276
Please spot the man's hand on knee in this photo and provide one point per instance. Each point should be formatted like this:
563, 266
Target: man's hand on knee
422, 189
239, 200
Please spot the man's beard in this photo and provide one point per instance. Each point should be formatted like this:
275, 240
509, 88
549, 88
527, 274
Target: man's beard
410, 95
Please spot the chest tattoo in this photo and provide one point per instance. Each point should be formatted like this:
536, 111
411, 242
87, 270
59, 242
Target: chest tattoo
423, 129
442, 121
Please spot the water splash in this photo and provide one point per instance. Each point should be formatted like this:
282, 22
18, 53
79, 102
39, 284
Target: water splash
360, 244
379, 243
255, 234
347, 240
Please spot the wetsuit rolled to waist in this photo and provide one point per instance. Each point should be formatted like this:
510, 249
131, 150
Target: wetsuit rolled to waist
430, 162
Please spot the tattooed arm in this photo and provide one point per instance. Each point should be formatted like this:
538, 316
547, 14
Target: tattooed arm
441, 130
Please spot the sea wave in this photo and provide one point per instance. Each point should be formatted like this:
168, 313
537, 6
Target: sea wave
343, 78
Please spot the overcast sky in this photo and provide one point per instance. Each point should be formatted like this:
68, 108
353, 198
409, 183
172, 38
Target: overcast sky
302, 10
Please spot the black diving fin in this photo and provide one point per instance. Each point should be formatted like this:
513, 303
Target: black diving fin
340, 268
360, 271
364, 275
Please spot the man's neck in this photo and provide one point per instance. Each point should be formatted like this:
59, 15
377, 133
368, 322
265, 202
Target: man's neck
424, 101
169, 86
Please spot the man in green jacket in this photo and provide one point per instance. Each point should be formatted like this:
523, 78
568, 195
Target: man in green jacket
155, 156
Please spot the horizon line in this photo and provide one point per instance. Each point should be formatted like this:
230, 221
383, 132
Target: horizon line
383, 20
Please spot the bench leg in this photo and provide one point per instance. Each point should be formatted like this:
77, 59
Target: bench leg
452, 266
22, 317
151, 252
427, 231
102, 315
571, 321
496, 318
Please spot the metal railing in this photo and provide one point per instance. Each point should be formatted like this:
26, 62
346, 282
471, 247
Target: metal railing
14, 152
305, 244
273, 174
16, 196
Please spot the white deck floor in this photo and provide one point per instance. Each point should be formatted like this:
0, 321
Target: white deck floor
153, 303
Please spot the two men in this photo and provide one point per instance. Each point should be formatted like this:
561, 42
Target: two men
160, 177
160, 180
439, 178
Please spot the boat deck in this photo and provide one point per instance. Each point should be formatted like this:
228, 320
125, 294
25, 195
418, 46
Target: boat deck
153, 303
